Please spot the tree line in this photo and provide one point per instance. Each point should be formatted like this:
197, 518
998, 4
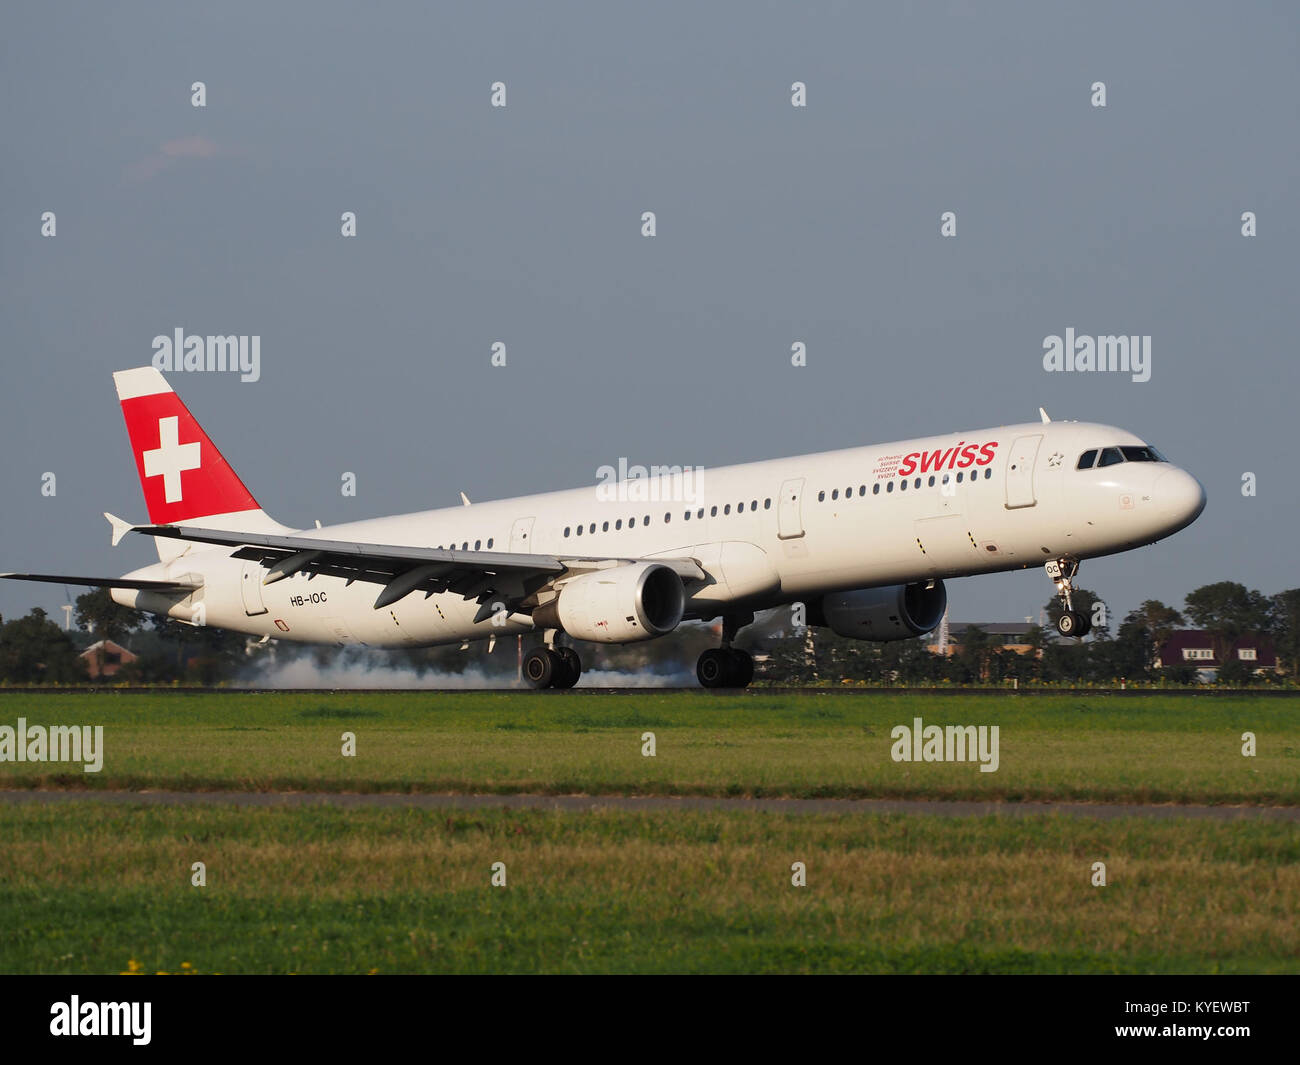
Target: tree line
35, 650
1226, 611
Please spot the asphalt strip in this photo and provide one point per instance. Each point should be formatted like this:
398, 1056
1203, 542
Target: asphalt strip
656, 803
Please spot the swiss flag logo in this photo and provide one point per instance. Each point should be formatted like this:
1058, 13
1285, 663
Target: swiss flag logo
183, 474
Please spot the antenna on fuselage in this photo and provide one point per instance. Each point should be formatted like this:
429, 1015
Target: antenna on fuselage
1043, 415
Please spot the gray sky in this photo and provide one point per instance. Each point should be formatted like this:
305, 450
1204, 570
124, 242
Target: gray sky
522, 225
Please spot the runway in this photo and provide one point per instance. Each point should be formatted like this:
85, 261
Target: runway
658, 803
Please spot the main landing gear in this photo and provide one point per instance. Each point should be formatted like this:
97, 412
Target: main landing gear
1071, 622
727, 666
551, 666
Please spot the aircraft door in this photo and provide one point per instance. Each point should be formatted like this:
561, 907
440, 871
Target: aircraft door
789, 519
250, 587
521, 534
1020, 471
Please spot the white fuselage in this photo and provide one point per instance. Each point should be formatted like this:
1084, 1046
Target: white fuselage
766, 533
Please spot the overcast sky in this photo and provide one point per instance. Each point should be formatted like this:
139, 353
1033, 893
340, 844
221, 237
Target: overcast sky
522, 225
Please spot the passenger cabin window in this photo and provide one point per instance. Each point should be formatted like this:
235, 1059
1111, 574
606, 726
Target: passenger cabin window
1087, 460
875, 489
1110, 456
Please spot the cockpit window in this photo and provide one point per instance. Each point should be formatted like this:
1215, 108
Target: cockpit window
1087, 460
1142, 454
1110, 456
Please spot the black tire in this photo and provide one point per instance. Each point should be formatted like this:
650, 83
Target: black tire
1085, 626
1069, 624
569, 670
714, 669
540, 667
742, 668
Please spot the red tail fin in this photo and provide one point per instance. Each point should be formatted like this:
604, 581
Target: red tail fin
181, 471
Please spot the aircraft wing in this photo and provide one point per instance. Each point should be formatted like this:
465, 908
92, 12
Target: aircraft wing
487, 576
106, 582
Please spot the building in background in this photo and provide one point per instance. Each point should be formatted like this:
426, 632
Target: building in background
1195, 647
105, 658
1002, 635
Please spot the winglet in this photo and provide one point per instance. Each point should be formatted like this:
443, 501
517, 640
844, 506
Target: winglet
1043, 413
120, 527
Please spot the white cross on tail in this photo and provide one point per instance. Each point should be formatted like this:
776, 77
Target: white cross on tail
170, 458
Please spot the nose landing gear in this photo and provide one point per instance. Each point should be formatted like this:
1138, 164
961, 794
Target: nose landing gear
1071, 622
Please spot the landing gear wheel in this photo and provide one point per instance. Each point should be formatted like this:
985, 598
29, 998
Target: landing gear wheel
742, 665
1070, 624
570, 668
540, 667
714, 668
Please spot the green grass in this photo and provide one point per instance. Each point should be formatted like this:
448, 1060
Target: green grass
1176, 748
93, 888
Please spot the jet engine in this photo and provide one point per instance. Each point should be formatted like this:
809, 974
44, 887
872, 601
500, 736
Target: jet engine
624, 604
897, 612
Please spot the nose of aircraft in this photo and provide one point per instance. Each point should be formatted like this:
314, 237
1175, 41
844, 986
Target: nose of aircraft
1179, 498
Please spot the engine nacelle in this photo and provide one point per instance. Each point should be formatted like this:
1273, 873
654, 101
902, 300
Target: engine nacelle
898, 612
619, 605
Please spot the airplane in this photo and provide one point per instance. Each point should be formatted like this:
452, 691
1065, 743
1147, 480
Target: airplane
864, 537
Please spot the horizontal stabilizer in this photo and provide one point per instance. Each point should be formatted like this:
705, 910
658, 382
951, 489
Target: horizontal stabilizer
120, 527
107, 582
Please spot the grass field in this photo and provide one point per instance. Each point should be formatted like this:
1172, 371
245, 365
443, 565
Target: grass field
1182, 749
92, 887
96, 888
